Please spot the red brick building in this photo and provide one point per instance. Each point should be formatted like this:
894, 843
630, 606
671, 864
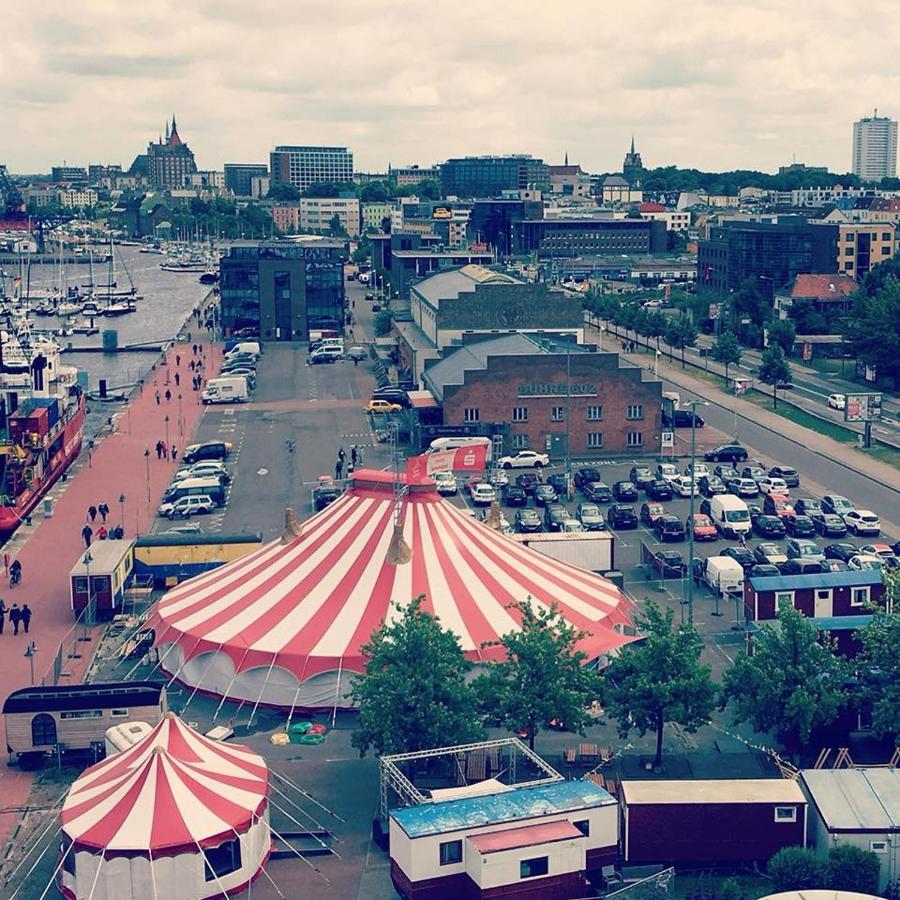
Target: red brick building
520, 382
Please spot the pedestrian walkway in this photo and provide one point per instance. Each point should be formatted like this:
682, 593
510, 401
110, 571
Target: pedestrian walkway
122, 471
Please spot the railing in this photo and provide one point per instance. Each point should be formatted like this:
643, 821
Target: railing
70, 647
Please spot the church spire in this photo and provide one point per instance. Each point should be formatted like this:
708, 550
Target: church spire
632, 144
567, 158
167, 131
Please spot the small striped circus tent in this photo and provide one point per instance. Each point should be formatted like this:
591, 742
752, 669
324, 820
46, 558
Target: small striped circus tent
284, 625
176, 816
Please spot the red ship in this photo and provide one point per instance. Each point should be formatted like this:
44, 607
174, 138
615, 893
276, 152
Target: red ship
42, 418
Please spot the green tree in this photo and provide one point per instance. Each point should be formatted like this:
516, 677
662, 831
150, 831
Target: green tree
414, 695
879, 662
796, 869
782, 333
335, 228
382, 323
774, 370
853, 869
873, 326
807, 319
726, 350
660, 679
282, 190
543, 677
791, 684
681, 333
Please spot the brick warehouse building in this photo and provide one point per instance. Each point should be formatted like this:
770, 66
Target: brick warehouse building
516, 385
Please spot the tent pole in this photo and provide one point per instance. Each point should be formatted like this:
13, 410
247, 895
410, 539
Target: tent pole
302, 812
184, 662
337, 691
197, 688
287, 727
237, 669
56, 872
152, 875
265, 682
96, 875
306, 795
34, 865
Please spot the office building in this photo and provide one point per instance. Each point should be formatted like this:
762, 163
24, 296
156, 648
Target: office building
861, 247
239, 177
772, 253
410, 175
303, 166
76, 174
78, 198
282, 290
875, 148
318, 214
579, 237
286, 217
489, 176
491, 221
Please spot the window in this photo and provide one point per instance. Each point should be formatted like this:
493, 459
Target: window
784, 597
533, 868
859, 596
584, 826
451, 852
635, 411
635, 438
785, 813
83, 714
595, 413
43, 730
823, 594
848, 251
520, 414
119, 713
223, 860
885, 251
878, 846
595, 440
557, 413
471, 414
520, 442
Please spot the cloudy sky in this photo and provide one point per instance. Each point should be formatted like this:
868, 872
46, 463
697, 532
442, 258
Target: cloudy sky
716, 85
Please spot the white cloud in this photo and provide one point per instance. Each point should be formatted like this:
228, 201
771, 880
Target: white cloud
710, 84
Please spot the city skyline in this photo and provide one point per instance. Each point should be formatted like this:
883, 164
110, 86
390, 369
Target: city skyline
720, 89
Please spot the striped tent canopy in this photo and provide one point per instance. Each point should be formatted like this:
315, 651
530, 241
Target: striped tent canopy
172, 792
299, 609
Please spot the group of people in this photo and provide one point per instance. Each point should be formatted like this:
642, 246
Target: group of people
87, 533
628, 346
17, 616
356, 458
165, 451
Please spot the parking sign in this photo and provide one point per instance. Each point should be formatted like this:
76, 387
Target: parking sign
668, 439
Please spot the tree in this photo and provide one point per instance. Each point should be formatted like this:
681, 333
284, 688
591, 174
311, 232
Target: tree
659, 680
873, 326
726, 350
853, 869
543, 677
782, 334
414, 695
774, 369
792, 683
382, 323
330, 189
806, 318
796, 869
336, 228
680, 333
283, 190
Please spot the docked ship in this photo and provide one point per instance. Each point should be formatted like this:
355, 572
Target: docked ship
44, 423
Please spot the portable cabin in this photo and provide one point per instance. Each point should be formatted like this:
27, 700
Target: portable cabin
497, 844
171, 558
710, 822
76, 717
103, 572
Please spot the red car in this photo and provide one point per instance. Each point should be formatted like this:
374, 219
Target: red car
704, 530
778, 505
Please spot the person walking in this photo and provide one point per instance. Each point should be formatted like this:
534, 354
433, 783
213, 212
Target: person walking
157, 398
15, 616
26, 617
174, 453
177, 379
338, 469
87, 533
168, 396
159, 449
165, 449
359, 455
103, 509
353, 455
2, 615
102, 533
15, 573
341, 455
92, 512
191, 365
177, 359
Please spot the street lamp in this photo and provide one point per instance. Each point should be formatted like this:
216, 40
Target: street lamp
122, 505
693, 404
601, 329
180, 419
30, 652
656, 366
147, 460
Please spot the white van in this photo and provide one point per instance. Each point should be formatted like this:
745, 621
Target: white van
730, 515
723, 575
233, 389
326, 354
452, 443
328, 342
251, 347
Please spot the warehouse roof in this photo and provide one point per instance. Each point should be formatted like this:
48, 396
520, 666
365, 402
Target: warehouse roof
725, 790
863, 799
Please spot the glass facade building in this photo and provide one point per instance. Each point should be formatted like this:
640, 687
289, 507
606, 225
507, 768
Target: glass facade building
489, 176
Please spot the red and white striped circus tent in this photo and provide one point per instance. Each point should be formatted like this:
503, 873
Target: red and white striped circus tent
284, 625
176, 816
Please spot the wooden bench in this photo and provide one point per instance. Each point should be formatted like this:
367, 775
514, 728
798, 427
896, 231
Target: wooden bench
588, 753
569, 755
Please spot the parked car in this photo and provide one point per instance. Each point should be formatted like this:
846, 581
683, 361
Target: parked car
798, 548
710, 485
669, 528
777, 505
554, 515
544, 494
528, 481
666, 471
835, 503
514, 495
382, 406
446, 483
528, 519
830, 525
683, 418
598, 492
668, 564
704, 529
585, 476
834, 565
684, 486
326, 491
393, 394
808, 506
624, 491
837, 401
590, 516
359, 353
185, 507
621, 516
650, 512
754, 471
802, 567
483, 494
842, 550
700, 470
789, 475
800, 526
210, 450
641, 476
726, 473
769, 553
769, 526
743, 487
659, 490
866, 563
524, 459
761, 570
726, 453
559, 483
770, 485
741, 555
862, 521
885, 551
571, 526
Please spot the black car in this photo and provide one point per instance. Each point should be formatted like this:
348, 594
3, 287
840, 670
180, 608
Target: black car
742, 555
807, 506
528, 482
788, 474
683, 418
393, 395
554, 516
659, 490
830, 525
769, 526
559, 483
843, 551
325, 492
800, 526
528, 519
514, 495
597, 492
669, 528
586, 476
621, 516
544, 494
625, 491
802, 567
726, 453
209, 450
641, 476
763, 570
669, 564
710, 485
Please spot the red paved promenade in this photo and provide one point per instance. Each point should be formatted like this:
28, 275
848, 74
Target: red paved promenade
117, 465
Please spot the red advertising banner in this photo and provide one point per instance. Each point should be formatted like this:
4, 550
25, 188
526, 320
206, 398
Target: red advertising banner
471, 458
